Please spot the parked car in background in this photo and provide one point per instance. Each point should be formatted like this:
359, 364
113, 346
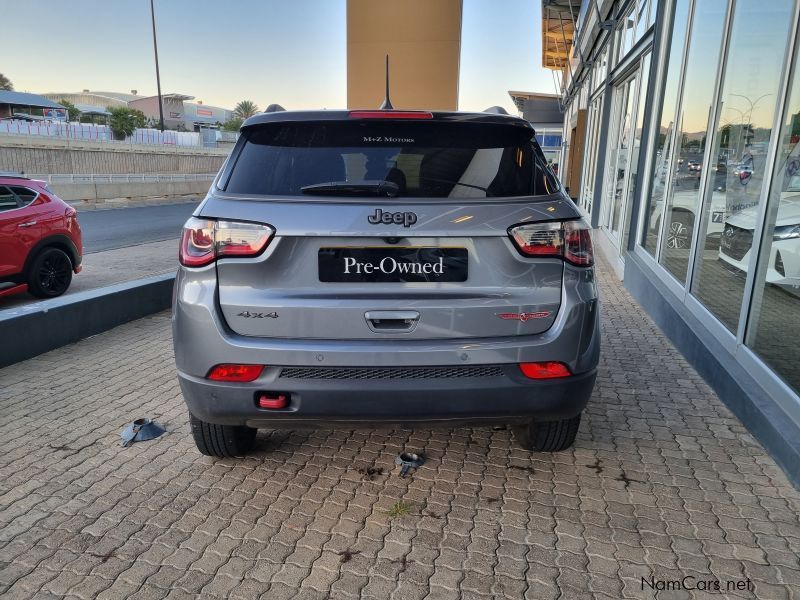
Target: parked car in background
783, 267
40, 239
385, 266
743, 171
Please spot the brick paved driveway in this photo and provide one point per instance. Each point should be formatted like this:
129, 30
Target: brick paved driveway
663, 482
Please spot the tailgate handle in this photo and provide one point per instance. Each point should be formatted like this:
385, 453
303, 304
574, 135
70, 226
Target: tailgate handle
389, 321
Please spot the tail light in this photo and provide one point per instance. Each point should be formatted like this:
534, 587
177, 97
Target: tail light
204, 241
569, 240
237, 373
544, 370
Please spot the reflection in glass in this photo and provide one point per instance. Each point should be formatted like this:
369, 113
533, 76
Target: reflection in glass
601, 68
750, 90
690, 143
590, 163
625, 33
644, 77
664, 137
644, 17
618, 155
774, 328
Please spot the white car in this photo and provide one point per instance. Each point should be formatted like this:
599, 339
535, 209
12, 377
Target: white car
683, 218
784, 260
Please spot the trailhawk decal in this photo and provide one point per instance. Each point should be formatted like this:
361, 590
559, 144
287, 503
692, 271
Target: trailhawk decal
524, 316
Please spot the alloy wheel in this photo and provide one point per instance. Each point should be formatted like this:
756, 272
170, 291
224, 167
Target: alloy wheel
54, 273
678, 235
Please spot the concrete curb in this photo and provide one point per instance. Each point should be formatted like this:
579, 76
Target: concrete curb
36, 328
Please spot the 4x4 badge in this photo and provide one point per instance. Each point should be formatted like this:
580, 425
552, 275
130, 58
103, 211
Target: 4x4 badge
406, 219
257, 315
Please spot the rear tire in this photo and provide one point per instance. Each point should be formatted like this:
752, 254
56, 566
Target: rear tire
547, 436
50, 273
222, 441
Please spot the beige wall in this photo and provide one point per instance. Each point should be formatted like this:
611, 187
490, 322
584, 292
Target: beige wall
423, 41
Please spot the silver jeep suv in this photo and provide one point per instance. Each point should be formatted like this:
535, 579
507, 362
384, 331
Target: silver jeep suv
385, 266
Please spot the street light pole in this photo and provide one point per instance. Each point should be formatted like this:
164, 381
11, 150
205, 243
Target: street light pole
158, 76
738, 152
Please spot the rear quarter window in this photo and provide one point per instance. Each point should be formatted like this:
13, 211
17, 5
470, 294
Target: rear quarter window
8, 201
425, 159
25, 195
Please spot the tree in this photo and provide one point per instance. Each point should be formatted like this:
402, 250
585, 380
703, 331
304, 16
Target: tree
245, 109
233, 125
5, 83
72, 110
125, 120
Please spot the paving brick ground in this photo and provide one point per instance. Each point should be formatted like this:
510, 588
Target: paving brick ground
663, 482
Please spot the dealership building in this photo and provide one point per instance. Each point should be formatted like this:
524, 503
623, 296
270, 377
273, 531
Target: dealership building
543, 111
179, 109
682, 118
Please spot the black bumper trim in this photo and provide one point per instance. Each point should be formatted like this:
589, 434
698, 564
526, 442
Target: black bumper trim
323, 402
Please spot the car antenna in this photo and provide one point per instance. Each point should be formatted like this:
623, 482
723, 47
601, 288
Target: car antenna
387, 104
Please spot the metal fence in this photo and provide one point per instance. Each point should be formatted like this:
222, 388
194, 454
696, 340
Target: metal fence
208, 138
131, 178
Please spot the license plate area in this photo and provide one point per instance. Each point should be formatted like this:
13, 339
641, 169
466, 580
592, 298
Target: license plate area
397, 264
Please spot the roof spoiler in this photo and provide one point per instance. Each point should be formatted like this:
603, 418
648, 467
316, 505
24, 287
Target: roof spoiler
496, 110
274, 108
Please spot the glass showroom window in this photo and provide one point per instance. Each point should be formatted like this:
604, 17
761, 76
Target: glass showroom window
600, 70
645, 15
623, 154
633, 25
595, 117
683, 188
774, 328
636, 143
750, 90
626, 30
618, 155
660, 168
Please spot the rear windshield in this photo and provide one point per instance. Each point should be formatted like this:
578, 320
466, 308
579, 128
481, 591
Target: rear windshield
423, 159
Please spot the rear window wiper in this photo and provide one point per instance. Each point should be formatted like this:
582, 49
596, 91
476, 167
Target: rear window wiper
366, 187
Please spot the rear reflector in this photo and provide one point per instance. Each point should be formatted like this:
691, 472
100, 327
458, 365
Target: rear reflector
239, 373
544, 370
389, 114
273, 401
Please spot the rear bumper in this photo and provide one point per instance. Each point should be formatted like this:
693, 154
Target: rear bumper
202, 340
506, 398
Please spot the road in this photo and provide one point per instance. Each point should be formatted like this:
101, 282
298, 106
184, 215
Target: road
123, 244
120, 227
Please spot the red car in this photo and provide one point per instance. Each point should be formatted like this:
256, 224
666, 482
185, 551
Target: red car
40, 239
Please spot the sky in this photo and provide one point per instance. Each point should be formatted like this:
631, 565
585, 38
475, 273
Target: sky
290, 52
